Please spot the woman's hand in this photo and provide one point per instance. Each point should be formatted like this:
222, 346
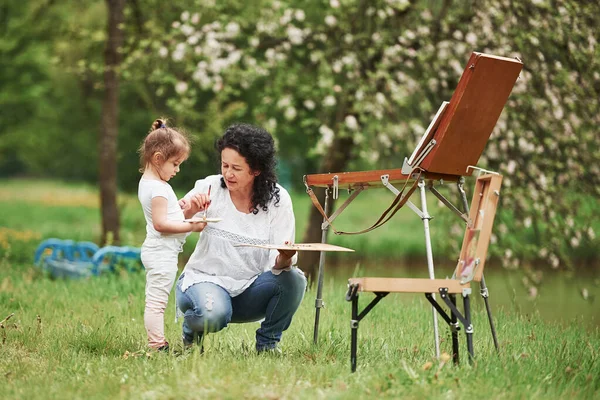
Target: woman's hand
199, 202
194, 204
284, 259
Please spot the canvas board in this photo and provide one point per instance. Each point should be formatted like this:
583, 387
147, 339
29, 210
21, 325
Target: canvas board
428, 135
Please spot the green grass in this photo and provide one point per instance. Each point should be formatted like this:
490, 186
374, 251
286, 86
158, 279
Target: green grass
89, 340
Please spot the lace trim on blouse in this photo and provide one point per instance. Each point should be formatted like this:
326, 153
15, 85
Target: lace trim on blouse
232, 237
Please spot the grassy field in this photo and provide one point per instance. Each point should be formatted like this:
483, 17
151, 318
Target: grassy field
85, 339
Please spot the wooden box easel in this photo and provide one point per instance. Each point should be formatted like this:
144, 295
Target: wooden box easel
448, 151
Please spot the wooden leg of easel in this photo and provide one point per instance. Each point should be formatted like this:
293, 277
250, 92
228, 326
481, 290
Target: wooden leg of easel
426, 217
319, 299
485, 295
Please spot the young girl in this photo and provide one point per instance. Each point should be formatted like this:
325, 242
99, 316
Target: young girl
161, 154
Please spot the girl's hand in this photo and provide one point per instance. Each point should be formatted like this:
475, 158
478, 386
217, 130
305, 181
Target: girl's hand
184, 204
198, 226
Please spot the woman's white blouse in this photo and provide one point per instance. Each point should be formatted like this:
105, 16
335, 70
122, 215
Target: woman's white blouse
216, 259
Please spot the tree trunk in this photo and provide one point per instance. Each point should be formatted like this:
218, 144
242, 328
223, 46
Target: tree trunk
107, 145
335, 161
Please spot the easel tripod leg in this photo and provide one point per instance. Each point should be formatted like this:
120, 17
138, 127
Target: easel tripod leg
354, 332
469, 327
426, 217
319, 299
485, 295
454, 328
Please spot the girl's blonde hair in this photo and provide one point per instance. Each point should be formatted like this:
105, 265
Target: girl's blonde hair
164, 140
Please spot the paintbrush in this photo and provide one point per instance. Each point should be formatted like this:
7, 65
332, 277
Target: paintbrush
206, 208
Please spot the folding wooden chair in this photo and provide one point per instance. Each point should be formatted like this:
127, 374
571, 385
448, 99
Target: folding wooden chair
448, 151
469, 267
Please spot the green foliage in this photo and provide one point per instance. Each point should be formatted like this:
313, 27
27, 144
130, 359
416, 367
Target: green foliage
314, 71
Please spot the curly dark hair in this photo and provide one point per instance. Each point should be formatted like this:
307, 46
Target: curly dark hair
256, 145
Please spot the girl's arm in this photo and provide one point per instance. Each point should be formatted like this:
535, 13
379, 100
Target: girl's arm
163, 225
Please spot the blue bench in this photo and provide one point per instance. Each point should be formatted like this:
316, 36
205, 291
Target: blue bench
70, 259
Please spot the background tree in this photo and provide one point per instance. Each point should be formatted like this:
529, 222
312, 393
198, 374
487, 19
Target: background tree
359, 81
107, 145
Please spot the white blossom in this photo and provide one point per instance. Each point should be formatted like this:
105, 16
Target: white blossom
351, 122
326, 134
329, 101
187, 30
290, 113
284, 101
179, 52
181, 87
294, 34
330, 20
471, 38
270, 54
337, 66
574, 242
233, 28
299, 15
271, 125
334, 3
309, 104
385, 140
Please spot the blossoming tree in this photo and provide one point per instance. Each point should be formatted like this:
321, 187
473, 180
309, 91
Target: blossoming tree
349, 83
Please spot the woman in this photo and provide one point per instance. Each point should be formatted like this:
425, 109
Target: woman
222, 283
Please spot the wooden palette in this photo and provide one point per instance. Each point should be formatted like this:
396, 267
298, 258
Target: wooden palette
297, 246
203, 220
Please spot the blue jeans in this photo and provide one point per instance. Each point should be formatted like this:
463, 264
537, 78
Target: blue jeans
209, 308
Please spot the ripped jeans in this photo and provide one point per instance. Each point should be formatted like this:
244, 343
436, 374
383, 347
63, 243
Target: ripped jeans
209, 308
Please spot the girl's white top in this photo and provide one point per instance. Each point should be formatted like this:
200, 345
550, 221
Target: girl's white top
217, 260
149, 189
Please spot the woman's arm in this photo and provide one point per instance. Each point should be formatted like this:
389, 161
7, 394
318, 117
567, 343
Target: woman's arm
283, 231
284, 259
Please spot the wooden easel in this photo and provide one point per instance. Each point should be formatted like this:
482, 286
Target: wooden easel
447, 152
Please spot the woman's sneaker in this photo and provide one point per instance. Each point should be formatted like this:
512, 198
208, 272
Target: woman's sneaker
188, 345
